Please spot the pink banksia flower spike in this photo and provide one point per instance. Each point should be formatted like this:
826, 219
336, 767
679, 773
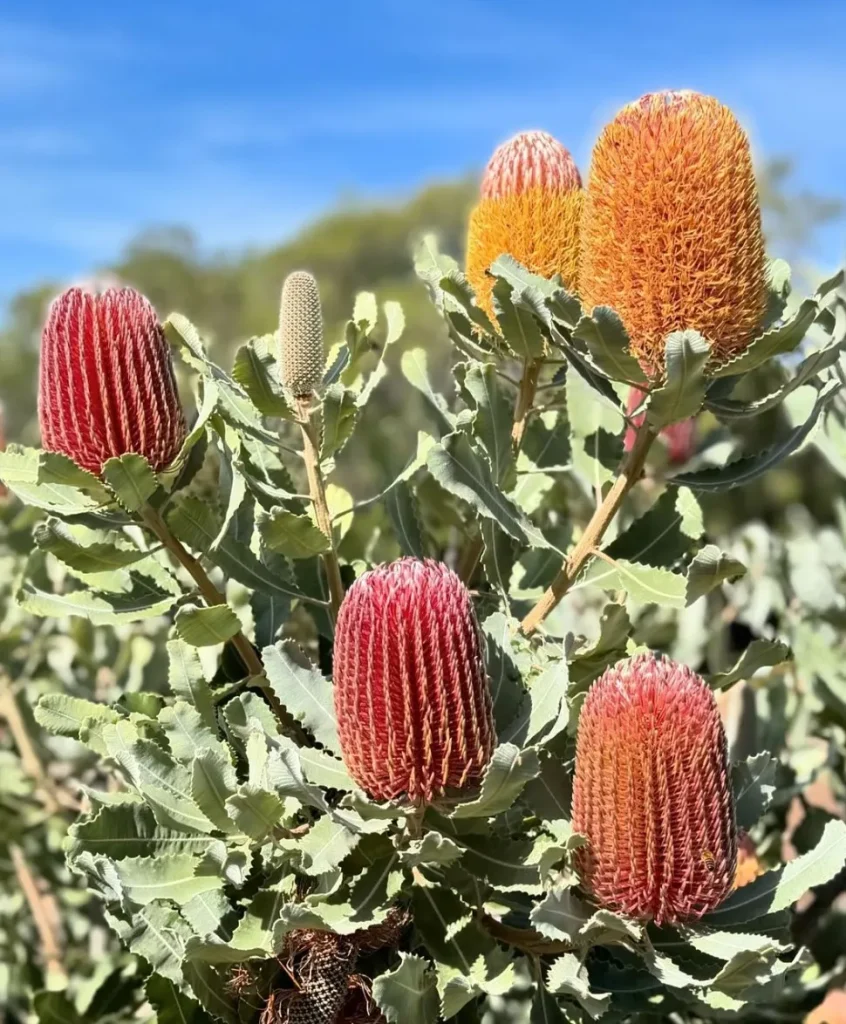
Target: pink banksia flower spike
411, 693
106, 384
652, 793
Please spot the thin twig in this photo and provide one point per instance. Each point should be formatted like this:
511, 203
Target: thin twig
317, 490
45, 914
631, 469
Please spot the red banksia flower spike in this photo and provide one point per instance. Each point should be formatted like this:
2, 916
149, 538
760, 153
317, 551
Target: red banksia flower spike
411, 693
671, 228
529, 207
652, 793
106, 384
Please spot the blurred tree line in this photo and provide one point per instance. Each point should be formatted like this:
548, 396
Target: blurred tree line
232, 298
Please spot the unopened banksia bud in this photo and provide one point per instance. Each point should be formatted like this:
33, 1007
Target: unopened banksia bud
106, 385
529, 207
652, 793
671, 229
678, 437
301, 353
411, 694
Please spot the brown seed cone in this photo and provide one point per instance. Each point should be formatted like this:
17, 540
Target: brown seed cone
671, 227
302, 356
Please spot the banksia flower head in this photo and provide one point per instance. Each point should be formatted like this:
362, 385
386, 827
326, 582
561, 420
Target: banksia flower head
411, 694
106, 384
529, 207
301, 352
652, 793
671, 229
679, 437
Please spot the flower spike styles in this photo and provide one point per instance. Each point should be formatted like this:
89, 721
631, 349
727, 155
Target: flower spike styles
106, 385
411, 693
671, 229
529, 207
301, 350
652, 793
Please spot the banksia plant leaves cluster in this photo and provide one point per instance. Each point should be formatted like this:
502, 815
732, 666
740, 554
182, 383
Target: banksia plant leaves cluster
106, 385
411, 694
671, 232
529, 207
652, 793
301, 351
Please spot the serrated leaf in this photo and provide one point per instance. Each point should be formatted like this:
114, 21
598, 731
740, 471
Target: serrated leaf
325, 845
255, 811
213, 781
212, 989
339, 415
414, 364
66, 716
759, 654
663, 534
780, 339
95, 556
205, 627
508, 772
401, 506
568, 976
606, 340
292, 535
586, 665
544, 713
504, 677
545, 1009
499, 557
131, 830
408, 994
709, 568
778, 890
494, 415
753, 784
187, 680
508, 865
159, 935
255, 368
433, 848
682, 393
518, 311
644, 583
54, 1008
131, 479
561, 915
171, 1005
745, 469
303, 690
463, 472
171, 876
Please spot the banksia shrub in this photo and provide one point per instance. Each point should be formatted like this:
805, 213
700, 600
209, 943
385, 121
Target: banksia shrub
301, 353
411, 694
678, 437
529, 207
652, 793
671, 229
3, 490
106, 383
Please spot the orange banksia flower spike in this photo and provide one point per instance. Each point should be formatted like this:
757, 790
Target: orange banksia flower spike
411, 693
652, 793
106, 384
530, 204
671, 228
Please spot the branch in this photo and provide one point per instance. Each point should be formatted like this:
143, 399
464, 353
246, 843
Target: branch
45, 914
631, 469
317, 490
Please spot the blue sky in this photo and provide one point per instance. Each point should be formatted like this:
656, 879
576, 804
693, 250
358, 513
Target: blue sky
244, 120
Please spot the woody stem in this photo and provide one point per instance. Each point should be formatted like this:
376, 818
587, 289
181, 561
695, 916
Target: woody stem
630, 471
317, 490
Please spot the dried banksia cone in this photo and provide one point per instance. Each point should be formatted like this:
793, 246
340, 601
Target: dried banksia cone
671, 228
652, 793
301, 353
679, 437
411, 694
529, 207
106, 384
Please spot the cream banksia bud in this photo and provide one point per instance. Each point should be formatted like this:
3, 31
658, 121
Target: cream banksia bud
671, 229
652, 793
106, 384
411, 693
301, 353
529, 207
